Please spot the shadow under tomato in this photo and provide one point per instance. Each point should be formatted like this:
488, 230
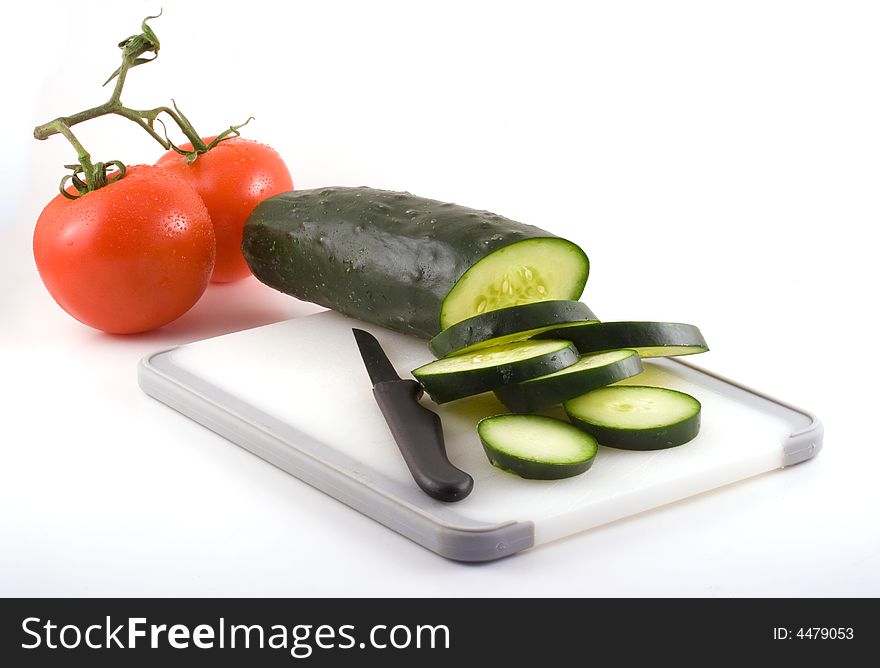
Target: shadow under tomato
224, 308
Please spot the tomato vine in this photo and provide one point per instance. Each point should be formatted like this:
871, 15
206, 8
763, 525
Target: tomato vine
87, 175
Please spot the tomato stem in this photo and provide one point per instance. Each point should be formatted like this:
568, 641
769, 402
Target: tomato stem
134, 52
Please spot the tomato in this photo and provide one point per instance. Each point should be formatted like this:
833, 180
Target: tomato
232, 178
129, 257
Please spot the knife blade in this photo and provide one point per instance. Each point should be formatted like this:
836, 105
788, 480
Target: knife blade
417, 431
378, 365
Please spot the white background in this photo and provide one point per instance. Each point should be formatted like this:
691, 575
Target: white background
719, 162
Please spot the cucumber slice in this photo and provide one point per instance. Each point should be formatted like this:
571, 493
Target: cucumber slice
460, 376
518, 336
636, 417
650, 339
527, 271
536, 446
588, 373
505, 325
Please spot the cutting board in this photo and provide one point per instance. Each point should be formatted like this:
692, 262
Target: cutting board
296, 393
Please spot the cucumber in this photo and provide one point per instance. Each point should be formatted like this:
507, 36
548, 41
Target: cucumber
636, 417
411, 264
650, 339
535, 446
460, 376
505, 325
588, 373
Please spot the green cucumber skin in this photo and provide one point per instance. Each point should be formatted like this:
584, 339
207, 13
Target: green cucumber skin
643, 439
388, 258
446, 387
534, 470
614, 335
537, 394
505, 321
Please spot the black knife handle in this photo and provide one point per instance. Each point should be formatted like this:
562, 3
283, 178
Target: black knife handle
419, 436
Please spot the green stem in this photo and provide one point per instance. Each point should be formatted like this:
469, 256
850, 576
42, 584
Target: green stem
133, 50
85, 160
143, 117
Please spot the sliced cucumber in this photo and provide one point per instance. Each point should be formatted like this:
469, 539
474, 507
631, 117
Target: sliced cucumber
589, 372
527, 271
636, 417
535, 446
650, 339
460, 376
505, 325
411, 264
519, 336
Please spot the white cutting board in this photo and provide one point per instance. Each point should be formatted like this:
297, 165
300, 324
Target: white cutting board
297, 394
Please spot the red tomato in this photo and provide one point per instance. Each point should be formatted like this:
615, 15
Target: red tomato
232, 178
129, 257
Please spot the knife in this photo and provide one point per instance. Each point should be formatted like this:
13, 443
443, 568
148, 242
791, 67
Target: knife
417, 430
